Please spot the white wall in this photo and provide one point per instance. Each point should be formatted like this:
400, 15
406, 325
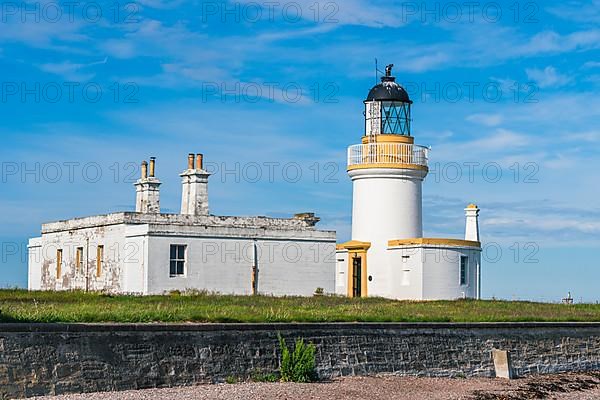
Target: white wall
34, 279
406, 277
285, 267
135, 263
386, 204
341, 271
110, 279
296, 267
435, 272
441, 276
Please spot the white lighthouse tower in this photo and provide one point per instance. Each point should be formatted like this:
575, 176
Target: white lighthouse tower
388, 255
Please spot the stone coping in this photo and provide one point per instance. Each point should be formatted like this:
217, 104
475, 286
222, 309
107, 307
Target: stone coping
133, 218
205, 327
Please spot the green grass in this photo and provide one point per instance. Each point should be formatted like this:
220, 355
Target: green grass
23, 306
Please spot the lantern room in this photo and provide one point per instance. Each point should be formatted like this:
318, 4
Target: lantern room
387, 107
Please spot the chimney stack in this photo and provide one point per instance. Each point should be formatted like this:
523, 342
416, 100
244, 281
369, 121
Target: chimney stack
472, 225
194, 199
147, 199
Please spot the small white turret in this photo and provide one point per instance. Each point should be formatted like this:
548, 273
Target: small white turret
472, 225
148, 190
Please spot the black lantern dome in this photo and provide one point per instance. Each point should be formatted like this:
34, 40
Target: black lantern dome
388, 89
387, 107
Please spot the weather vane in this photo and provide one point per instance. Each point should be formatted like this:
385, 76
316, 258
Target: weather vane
388, 69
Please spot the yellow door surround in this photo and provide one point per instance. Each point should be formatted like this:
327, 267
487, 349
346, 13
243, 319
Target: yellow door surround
356, 249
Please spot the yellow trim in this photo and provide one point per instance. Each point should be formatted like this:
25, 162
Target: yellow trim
362, 254
79, 258
472, 205
59, 260
388, 138
99, 260
355, 245
390, 165
356, 249
435, 242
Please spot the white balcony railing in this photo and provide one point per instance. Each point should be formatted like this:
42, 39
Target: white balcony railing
387, 154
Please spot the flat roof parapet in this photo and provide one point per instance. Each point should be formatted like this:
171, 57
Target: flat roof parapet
132, 218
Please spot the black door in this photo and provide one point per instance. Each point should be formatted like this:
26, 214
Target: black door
356, 276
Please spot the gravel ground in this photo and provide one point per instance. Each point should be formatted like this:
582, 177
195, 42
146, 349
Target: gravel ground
552, 387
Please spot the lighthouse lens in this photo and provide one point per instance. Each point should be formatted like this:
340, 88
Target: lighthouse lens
395, 118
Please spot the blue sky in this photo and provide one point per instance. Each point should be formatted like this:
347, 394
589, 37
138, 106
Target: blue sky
505, 93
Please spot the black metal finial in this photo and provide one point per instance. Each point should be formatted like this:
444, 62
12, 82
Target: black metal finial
388, 69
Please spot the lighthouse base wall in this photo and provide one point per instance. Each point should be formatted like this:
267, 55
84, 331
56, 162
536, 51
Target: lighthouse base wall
416, 272
423, 272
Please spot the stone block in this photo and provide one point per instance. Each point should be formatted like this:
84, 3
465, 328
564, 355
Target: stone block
502, 364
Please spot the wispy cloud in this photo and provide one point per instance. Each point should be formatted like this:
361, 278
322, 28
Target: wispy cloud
580, 11
374, 14
591, 64
72, 71
486, 119
547, 77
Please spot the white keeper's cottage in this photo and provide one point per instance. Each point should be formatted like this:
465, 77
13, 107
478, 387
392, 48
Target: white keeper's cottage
148, 252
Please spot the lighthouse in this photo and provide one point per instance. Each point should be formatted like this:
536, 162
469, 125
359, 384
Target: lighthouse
387, 255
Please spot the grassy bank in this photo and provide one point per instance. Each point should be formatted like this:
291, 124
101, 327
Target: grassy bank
23, 306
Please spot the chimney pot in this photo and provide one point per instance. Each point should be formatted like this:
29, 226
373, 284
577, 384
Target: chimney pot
152, 166
144, 169
199, 161
191, 161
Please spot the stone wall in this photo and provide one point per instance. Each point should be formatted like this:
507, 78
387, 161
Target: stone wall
38, 359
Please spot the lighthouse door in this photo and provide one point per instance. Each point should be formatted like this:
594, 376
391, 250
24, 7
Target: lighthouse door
356, 276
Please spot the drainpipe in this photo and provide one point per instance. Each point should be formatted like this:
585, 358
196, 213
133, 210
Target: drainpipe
479, 280
254, 268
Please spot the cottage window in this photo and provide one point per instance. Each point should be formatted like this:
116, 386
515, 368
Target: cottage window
177, 267
99, 258
59, 258
79, 258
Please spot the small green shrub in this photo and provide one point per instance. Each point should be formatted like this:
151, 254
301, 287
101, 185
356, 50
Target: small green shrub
258, 375
231, 380
297, 365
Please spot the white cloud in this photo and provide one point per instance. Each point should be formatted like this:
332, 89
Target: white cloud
560, 161
375, 13
547, 77
71, 71
161, 4
591, 64
486, 119
588, 136
501, 139
426, 62
552, 42
580, 11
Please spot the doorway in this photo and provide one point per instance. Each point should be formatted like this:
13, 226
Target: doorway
356, 276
